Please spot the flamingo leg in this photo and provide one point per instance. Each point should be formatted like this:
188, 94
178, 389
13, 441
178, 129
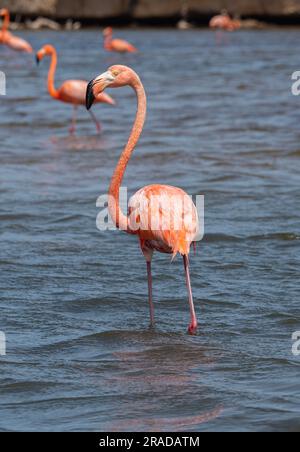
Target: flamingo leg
151, 305
72, 129
98, 125
194, 324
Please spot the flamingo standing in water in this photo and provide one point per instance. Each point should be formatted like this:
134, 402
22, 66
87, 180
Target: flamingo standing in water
116, 45
221, 22
163, 217
8, 39
72, 91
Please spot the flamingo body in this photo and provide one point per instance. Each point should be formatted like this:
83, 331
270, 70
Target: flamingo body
116, 45
74, 92
10, 40
221, 22
176, 219
16, 43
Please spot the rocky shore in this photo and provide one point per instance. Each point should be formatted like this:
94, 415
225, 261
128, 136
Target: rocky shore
154, 11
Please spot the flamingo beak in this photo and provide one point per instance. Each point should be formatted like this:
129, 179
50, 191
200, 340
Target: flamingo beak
90, 97
97, 86
39, 56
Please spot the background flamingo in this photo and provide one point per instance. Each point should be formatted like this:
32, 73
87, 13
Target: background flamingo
116, 45
222, 22
7, 38
164, 218
72, 91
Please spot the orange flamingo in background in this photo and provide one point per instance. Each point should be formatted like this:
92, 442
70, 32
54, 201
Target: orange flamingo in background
164, 218
8, 39
116, 45
72, 91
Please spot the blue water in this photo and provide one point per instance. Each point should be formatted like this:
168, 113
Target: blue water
221, 122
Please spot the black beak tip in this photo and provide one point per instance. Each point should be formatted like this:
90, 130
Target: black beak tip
37, 60
90, 95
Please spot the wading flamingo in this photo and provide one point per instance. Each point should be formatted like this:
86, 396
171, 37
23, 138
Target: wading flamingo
222, 22
72, 91
116, 45
8, 39
163, 217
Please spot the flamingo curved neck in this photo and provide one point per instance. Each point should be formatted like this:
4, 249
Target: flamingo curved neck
107, 41
118, 217
51, 75
6, 22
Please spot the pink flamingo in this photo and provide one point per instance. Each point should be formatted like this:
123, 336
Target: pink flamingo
163, 217
8, 39
72, 91
221, 22
116, 45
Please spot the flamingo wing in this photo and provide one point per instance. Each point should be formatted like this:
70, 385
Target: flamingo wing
166, 219
73, 92
223, 22
16, 43
119, 45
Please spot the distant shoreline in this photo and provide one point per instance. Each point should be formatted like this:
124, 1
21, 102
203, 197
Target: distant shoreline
156, 23
40, 23
153, 12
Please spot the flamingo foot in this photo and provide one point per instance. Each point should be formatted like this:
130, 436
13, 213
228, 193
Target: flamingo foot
152, 325
192, 330
99, 128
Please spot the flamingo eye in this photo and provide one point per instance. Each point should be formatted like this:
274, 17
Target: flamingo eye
115, 72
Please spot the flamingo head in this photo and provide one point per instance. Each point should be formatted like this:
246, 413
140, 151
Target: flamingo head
107, 32
115, 77
4, 12
47, 50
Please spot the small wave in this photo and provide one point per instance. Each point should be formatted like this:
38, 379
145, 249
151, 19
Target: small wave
27, 386
111, 336
277, 236
284, 318
67, 218
167, 424
294, 153
221, 238
283, 236
16, 217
